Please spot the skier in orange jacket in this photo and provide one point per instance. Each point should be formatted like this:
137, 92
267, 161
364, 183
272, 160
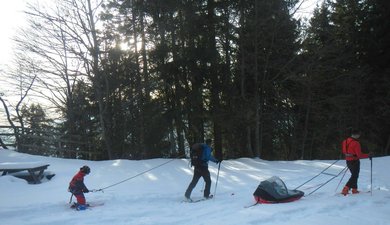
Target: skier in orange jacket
353, 154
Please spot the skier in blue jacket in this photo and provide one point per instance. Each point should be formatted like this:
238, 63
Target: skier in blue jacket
201, 170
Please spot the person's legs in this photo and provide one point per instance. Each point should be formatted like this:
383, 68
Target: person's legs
80, 199
354, 167
81, 202
195, 179
207, 180
355, 177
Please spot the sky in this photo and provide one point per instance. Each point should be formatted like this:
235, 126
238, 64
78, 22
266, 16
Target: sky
153, 192
11, 17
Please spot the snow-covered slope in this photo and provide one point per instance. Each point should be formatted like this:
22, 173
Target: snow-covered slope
156, 197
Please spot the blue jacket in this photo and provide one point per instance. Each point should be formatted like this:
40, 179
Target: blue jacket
206, 157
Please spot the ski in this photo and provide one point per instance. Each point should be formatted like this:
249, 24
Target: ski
200, 200
87, 206
356, 194
189, 200
95, 204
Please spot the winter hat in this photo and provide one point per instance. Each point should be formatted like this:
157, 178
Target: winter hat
85, 169
356, 132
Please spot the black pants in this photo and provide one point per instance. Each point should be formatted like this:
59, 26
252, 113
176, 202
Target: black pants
199, 172
354, 167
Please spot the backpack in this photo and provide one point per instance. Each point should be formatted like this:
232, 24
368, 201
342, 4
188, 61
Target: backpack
196, 153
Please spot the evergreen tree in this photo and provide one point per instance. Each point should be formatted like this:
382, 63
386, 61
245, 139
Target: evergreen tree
36, 125
339, 78
267, 49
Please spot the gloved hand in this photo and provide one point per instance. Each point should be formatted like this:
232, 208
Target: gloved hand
370, 155
85, 190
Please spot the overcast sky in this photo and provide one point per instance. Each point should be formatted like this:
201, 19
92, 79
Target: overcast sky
11, 17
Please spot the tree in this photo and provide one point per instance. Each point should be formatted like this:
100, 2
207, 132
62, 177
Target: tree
67, 39
269, 45
24, 79
45, 46
38, 124
339, 78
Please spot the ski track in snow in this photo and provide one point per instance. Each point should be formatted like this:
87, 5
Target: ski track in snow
156, 197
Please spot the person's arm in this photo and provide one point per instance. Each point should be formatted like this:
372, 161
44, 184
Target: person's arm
358, 151
81, 186
207, 154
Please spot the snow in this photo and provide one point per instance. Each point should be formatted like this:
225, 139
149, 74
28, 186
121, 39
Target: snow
155, 197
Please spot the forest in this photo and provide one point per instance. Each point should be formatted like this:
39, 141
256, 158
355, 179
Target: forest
140, 79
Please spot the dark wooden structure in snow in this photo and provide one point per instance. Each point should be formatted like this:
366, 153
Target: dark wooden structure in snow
35, 170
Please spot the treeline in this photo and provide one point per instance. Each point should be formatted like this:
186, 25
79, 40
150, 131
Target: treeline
141, 79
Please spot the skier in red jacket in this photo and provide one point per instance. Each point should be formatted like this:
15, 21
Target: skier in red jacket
78, 188
353, 154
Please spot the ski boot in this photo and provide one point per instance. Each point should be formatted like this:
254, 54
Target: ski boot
355, 191
345, 190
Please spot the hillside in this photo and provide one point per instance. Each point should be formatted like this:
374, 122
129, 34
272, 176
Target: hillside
156, 196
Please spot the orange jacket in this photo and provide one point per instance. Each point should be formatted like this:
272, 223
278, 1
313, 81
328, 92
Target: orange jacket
352, 150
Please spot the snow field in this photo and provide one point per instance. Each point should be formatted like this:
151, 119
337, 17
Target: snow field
155, 197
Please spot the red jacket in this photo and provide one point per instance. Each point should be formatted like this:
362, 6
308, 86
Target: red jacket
352, 150
77, 185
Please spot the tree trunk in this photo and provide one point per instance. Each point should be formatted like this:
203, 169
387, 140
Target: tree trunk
139, 89
387, 148
215, 82
257, 91
16, 131
195, 101
101, 81
306, 123
2, 144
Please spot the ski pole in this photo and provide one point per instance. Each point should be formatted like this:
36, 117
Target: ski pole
216, 182
70, 200
371, 176
341, 179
